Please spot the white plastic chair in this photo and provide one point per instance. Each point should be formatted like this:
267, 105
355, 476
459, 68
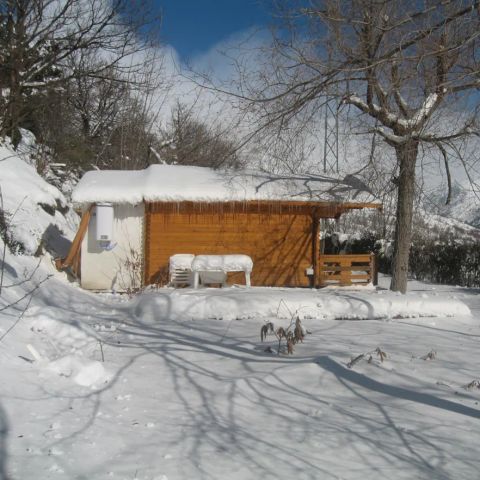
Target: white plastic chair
180, 269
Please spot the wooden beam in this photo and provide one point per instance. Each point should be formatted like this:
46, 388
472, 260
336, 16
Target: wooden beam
323, 209
351, 257
316, 248
71, 258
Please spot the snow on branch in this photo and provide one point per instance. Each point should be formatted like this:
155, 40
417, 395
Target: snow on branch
423, 112
389, 119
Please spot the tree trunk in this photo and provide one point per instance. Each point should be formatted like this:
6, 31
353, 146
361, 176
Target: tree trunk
13, 110
15, 30
407, 158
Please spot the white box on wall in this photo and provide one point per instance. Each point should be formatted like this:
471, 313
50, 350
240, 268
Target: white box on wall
104, 213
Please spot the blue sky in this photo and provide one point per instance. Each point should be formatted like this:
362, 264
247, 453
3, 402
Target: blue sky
193, 27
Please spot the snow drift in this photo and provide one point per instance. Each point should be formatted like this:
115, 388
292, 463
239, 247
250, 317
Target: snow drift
35, 211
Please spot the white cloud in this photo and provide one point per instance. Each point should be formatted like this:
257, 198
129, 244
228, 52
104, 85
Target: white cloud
218, 64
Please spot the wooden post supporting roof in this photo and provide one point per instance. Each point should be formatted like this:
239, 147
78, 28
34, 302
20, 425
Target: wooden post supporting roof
315, 247
73, 257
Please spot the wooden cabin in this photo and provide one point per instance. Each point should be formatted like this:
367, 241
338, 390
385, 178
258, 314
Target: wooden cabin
134, 221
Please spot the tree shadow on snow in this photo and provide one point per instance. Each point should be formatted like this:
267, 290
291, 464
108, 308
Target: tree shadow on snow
349, 375
9, 269
55, 241
257, 414
240, 412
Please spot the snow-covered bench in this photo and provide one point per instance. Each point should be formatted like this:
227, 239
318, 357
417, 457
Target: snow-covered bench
214, 268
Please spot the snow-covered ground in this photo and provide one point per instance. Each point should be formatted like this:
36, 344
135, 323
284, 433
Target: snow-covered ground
177, 384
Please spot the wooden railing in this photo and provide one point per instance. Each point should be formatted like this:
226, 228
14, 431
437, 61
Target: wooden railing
356, 269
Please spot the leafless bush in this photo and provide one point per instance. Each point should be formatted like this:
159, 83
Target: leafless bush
368, 357
473, 385
290, 335
431, 355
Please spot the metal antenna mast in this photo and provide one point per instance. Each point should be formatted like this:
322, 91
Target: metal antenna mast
330, 148
330, 139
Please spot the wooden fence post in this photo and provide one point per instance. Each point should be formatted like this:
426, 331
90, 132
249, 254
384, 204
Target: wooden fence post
373, 269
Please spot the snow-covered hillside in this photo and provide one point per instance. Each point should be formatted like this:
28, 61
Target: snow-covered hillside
465, 205
36, 213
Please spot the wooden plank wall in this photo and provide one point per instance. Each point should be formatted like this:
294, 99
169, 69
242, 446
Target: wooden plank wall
279, 242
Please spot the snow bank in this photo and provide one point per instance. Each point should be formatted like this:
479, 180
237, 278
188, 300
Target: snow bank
69, 337
66, 347
174, 183
258, 302
86, 373
42, 329
34, 209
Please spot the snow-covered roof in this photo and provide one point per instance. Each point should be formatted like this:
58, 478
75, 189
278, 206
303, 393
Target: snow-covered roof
174, 183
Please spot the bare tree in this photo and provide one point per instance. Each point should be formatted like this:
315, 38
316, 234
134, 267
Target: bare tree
39, 38
400, 64
99, 122
97, 101
188, 140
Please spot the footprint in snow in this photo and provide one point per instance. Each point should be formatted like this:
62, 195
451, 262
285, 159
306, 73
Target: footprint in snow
56, 468
123, 397
54, 452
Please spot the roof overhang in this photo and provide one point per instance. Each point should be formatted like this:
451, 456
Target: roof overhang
317, 209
